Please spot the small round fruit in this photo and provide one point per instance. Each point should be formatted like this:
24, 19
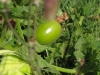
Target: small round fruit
48, 32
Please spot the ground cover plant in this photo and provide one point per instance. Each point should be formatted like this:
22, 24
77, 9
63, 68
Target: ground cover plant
49, 37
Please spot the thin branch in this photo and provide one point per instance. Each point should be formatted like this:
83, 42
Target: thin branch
15, 33
31, 48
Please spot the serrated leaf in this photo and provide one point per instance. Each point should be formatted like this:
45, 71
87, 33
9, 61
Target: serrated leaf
79, 44
11, 42
59, 12
96, 45
73, 17
40, 48
90, 24
9, 34
17, 11
62, 49
30, 33
25, 8
47, 67
78, 54
78, 31
52, 70
40, 61
24, 2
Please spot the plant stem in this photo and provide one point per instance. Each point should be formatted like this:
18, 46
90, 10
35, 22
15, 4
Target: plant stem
28, 37
15, 33
31, 51
65, 70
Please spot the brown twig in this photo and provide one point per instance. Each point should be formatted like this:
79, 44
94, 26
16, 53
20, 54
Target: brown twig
32, 41
10, 26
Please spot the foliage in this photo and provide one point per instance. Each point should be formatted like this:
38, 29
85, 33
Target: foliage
76, 51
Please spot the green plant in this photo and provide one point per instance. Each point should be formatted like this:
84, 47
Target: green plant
75, 52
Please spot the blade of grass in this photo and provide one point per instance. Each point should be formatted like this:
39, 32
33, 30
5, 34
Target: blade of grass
18, 26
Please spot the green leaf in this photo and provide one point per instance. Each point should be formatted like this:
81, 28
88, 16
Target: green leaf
96, 44
79, 45
40, 48
23, 2
11, 65
59, 13
23, 51
78, 32
30, 33
17, 11
25, 8
1, 5
45, 66
90, 23
87, 7
81, 20
79, 55
62, 49
73, 17
18, 26
9, 34
2, 40
16, 72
